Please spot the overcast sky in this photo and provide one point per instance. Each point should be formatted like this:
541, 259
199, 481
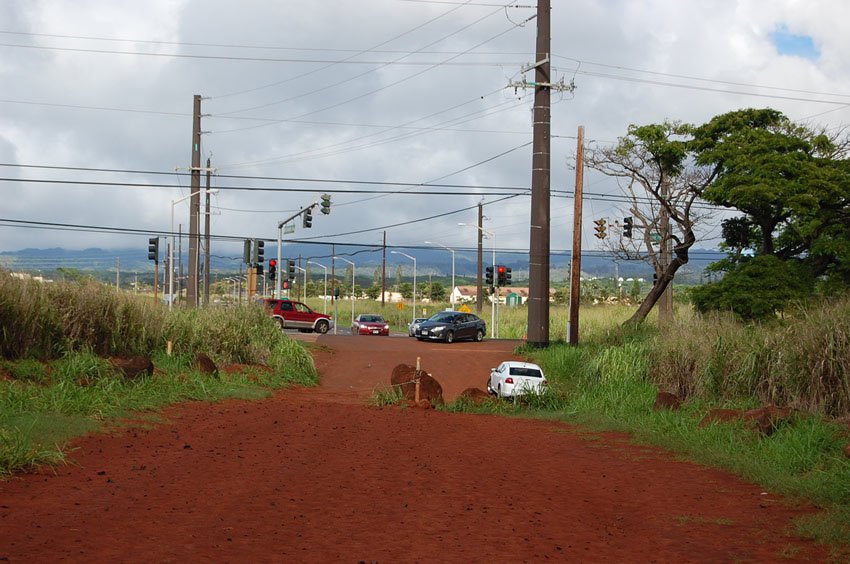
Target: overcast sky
387, 91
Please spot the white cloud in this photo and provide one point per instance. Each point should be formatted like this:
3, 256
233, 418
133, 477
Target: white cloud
720, 41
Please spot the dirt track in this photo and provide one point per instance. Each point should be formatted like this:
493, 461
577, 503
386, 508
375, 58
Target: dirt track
315, 475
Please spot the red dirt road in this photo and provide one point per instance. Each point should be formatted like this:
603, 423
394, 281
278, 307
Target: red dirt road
315, 476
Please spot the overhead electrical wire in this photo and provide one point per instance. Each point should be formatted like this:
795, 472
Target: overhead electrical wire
394, 83
312, 154
502, 190
53, 226
377, 68
266, 59
452, 121
429, 182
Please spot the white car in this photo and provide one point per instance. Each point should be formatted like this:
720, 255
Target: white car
414, 325
513, 378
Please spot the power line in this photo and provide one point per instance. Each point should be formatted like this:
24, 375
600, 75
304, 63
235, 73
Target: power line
420, 26
705, 88
267, 59
697, 78
257, 188
402, 80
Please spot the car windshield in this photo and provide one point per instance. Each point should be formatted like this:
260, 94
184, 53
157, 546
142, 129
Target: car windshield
522, 371
444, 316
372, 319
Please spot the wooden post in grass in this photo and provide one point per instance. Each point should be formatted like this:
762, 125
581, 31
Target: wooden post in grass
416, 379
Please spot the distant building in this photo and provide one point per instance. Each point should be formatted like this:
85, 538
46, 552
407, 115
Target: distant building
468, 294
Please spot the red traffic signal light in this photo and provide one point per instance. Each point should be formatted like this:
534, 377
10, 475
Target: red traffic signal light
272, 269
500, 270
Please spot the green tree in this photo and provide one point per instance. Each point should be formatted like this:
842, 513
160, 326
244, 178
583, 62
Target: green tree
438, 292
756, 289
791, 182
406, 290
373, 292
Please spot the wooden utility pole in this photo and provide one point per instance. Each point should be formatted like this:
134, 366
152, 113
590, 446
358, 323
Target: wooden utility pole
194, 205
575, 262
384, 272
207, 238
479, 300
538, 267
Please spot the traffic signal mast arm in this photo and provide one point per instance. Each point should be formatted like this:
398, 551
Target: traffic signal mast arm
295, 215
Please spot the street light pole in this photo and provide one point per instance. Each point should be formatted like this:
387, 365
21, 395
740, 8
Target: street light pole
304, 284
352, 285
171, 249
414, 278
492, 237
325, 291
452, 251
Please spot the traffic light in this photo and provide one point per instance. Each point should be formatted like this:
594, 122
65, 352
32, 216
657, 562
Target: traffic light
272, 269
600, 228
628, 224
507, 276
285, 284
246, 251
500, 270
308, 218
290, 269
153, 249
259, 270
326, 204
488, 278
259, 249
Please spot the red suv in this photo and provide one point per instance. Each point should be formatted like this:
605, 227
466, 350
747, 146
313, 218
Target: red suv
295, 315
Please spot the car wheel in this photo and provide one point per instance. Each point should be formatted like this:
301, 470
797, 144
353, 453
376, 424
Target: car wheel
322, 327
490, 390
280, 322
479, 336
450, 336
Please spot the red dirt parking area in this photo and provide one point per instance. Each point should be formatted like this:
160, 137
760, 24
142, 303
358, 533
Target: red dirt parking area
316, 475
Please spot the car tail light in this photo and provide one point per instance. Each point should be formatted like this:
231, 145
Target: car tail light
509, 380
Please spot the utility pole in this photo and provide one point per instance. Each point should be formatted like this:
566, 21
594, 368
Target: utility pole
207, 238
479, 300
538, 263
538, 275
117, 273
575, 262
180, 259
384, 272
194, 204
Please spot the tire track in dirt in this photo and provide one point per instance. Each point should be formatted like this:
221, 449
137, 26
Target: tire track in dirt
313, 475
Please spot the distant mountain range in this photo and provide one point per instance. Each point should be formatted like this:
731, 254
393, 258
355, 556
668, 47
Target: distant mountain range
103, 263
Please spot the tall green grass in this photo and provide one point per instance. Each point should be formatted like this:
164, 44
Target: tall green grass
42, 320
610, 380
801, 361
54, 338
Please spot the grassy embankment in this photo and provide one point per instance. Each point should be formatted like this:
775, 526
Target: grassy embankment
610, 380
55, 382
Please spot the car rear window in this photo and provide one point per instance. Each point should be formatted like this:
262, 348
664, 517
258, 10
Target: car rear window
530, 372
